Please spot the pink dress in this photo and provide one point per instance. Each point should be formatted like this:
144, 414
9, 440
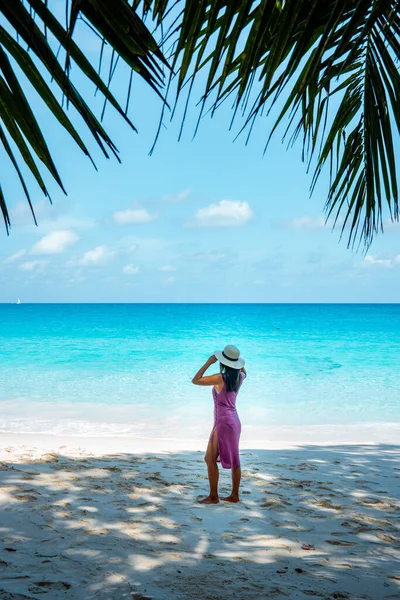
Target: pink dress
227, 424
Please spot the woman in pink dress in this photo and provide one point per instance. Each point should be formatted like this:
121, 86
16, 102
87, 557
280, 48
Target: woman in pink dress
223, 445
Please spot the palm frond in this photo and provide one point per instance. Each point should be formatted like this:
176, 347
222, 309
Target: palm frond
330, 67
306, 57
29, 24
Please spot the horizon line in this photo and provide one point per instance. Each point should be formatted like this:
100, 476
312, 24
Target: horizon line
344, 303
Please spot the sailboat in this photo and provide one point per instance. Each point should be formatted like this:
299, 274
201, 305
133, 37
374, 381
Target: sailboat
18, 301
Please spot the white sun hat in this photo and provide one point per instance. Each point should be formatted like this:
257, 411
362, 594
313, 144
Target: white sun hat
230, 357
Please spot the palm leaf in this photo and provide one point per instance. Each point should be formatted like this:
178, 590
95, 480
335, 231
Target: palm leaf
30, 70
330, 66
4, 210
120, 27
301, 55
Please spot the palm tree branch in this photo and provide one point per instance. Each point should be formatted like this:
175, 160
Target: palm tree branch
369, 149
307, 55
30, 70
121, 28
308, 52
24, 117
8, 115
4, 210
9, 151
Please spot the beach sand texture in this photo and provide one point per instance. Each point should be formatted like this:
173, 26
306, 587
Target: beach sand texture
314, 522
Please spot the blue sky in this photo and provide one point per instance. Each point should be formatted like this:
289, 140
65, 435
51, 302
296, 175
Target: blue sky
207, 220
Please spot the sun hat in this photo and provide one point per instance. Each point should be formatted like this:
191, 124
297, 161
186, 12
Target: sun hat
230, 357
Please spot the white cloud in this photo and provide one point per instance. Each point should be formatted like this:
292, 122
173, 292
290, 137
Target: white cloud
307, 223
32, 265
49, 216
97, 256
179, 197
21, 213
387, 263
14, 257
226, 213
134, 215
131, 270
312, 223
390, 225
170, 280
167, 268
55, 242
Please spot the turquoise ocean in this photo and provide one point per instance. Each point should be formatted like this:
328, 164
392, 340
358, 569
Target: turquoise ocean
126, 369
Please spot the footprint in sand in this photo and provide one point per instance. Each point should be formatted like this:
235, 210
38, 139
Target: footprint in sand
305, 483
327, 504
340, 543
51, 586
308, 547
274, 503
352, 524
374, 521
26, 497
385, 537
282, 571
307, 467
373, 501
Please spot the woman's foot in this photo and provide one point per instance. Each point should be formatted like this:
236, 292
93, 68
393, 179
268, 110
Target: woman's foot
209, 500
232, 498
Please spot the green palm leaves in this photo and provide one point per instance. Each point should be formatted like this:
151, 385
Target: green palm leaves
28, 25
330, 67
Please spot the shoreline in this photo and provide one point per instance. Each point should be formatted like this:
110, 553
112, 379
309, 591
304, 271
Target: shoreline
271, 438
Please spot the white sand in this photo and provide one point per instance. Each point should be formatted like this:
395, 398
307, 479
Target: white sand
83, 519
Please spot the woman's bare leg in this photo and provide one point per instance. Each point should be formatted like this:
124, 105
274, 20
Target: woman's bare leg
212, 468
236, 475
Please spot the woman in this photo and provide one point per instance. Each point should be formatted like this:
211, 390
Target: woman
223, 445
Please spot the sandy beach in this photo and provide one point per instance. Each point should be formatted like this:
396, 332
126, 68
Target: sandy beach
84, 521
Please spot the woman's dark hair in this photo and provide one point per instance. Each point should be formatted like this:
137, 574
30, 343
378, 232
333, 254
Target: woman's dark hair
231, 378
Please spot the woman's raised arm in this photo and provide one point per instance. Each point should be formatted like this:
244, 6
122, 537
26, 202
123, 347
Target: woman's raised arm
198, 379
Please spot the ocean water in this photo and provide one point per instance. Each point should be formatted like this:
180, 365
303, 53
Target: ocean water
126, 370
